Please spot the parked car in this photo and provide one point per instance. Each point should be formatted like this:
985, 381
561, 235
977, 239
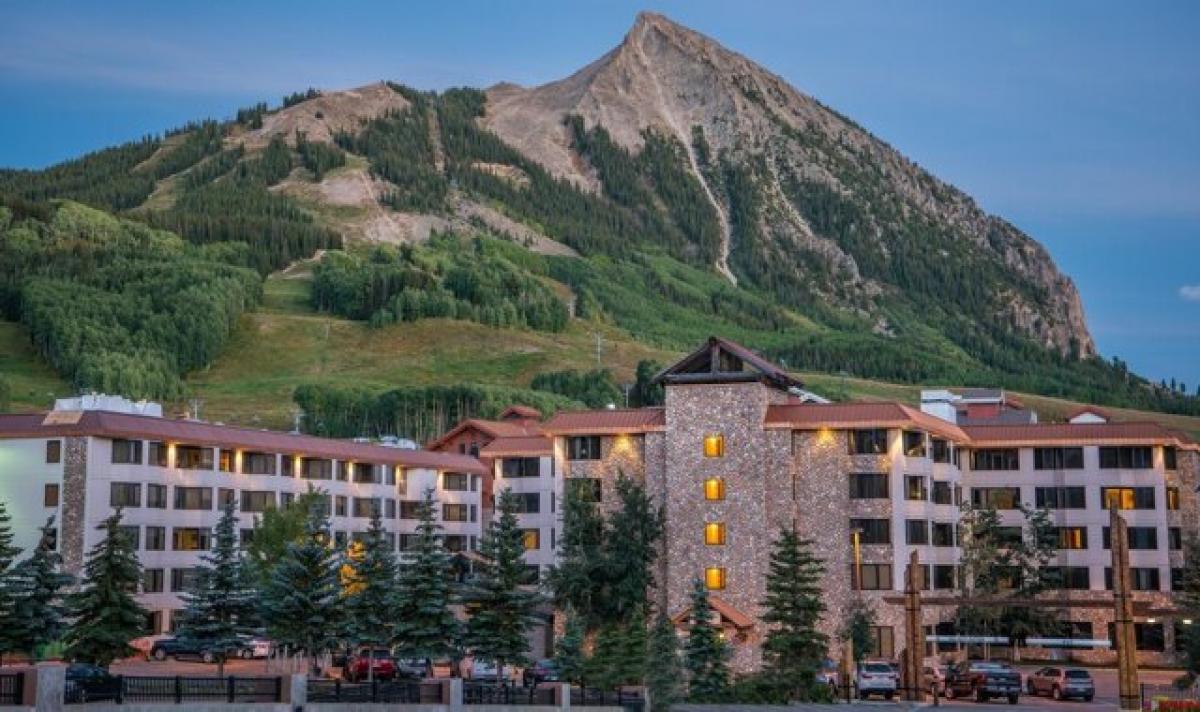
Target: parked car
181, 649
90, 683
368, 662
828, 675
876, 678
254, 647
1062, 683
540, 671
480, 669
983, 681
933, 676
415, 668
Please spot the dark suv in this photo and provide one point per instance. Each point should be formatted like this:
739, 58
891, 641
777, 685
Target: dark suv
983, 681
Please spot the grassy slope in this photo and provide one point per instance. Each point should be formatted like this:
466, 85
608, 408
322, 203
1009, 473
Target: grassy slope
286, 343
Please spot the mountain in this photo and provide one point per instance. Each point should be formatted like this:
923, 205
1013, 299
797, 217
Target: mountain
668, 190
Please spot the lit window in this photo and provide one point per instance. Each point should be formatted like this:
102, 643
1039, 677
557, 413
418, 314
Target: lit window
1172, 498
714, 488
714, 578
531, 539
714, 445
714, 533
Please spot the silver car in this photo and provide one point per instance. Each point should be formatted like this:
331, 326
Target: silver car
1062, 683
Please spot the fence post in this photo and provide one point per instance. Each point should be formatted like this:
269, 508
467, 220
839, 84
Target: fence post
564, 696
51, 687
455, 703
374, 688
178, 690
120, 689
297, 690
229, 689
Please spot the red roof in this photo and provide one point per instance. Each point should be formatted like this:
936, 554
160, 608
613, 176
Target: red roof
522, 446
1073, 434
491, 428
105, 424
521, 411
811, 416
1093, 409
612, 421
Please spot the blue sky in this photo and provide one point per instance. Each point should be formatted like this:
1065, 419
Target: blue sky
1077, 121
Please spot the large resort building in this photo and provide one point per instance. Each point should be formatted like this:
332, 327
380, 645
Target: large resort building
736, 452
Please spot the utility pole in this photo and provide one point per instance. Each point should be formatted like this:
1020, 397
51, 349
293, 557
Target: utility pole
913, 632
1127, 673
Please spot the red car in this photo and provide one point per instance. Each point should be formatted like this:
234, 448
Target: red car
366, 661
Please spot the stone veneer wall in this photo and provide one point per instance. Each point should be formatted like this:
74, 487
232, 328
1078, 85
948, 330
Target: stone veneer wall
74, 504
619, 455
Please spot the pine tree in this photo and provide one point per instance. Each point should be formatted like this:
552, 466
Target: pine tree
300, 602
369, 608
38, 582
8, 555
663, 673
630, 549
221, 605
1188, 599
578, 577
856, 627
706, 654
501, 609
105, 616
426, 628
794, 648
569, 659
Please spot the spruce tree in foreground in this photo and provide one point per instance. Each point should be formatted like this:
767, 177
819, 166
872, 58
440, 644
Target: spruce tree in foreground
569, 659
426, 628
8, 555
1188, 599
501, 608
856, 627
664, 677
369, 614
39, 614
706, 655
794, 648
300, 601
221, 605
105, 616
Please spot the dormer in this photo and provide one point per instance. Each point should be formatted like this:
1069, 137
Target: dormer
1089, 414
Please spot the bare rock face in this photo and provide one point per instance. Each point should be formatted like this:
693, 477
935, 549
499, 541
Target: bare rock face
322, 117
668, 79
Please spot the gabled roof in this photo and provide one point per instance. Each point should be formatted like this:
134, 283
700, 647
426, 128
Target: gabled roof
611, 421
520, 411
812, 416
491, 428
1089, 410
525, 446
728, 612
1119, 433
107, 424
723, 361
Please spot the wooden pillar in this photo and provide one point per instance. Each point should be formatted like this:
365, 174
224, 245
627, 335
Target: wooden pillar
1127, 674
914, 633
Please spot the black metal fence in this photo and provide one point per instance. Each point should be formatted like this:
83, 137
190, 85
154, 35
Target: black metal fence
402, 692
482, 692
631, 699
176, 690
12, 686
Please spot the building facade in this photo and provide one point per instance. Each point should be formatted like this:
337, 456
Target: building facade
172, 477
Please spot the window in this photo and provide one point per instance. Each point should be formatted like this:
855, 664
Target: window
190, 539
156, 538
588, 489
409, 509
943, 534
454, 512
53, 451
408, 542
226, 497
193, 498
995, 459
868, 442
1127, 457
1009, 536
868, 485
714, 489
714, 578
1127, 497
257, 501
246, 537
286, 499
514, 467
714, 533
528, 502
1142, 579
363, 507
389, 508
1071, 578
226, 460
132, 533
942, 493
456, 482
915, 488
127, 452
943, 576
1176, 579
259, 463
1147, 636
875, 577
530, 575
454, 542
125, 494
531, 539
1173, 498
50, 496
914, 444
1058, 458
158, 455
183, 580
995, 497
883, 644
287, 465
583, 447
363, 472
152, 580
916, 531
1170, 458
941, 450
52, 540
872, 531
1059, 498
1174, 538
714, 445
1139, 537
316, 468
193, 457
1072, 538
